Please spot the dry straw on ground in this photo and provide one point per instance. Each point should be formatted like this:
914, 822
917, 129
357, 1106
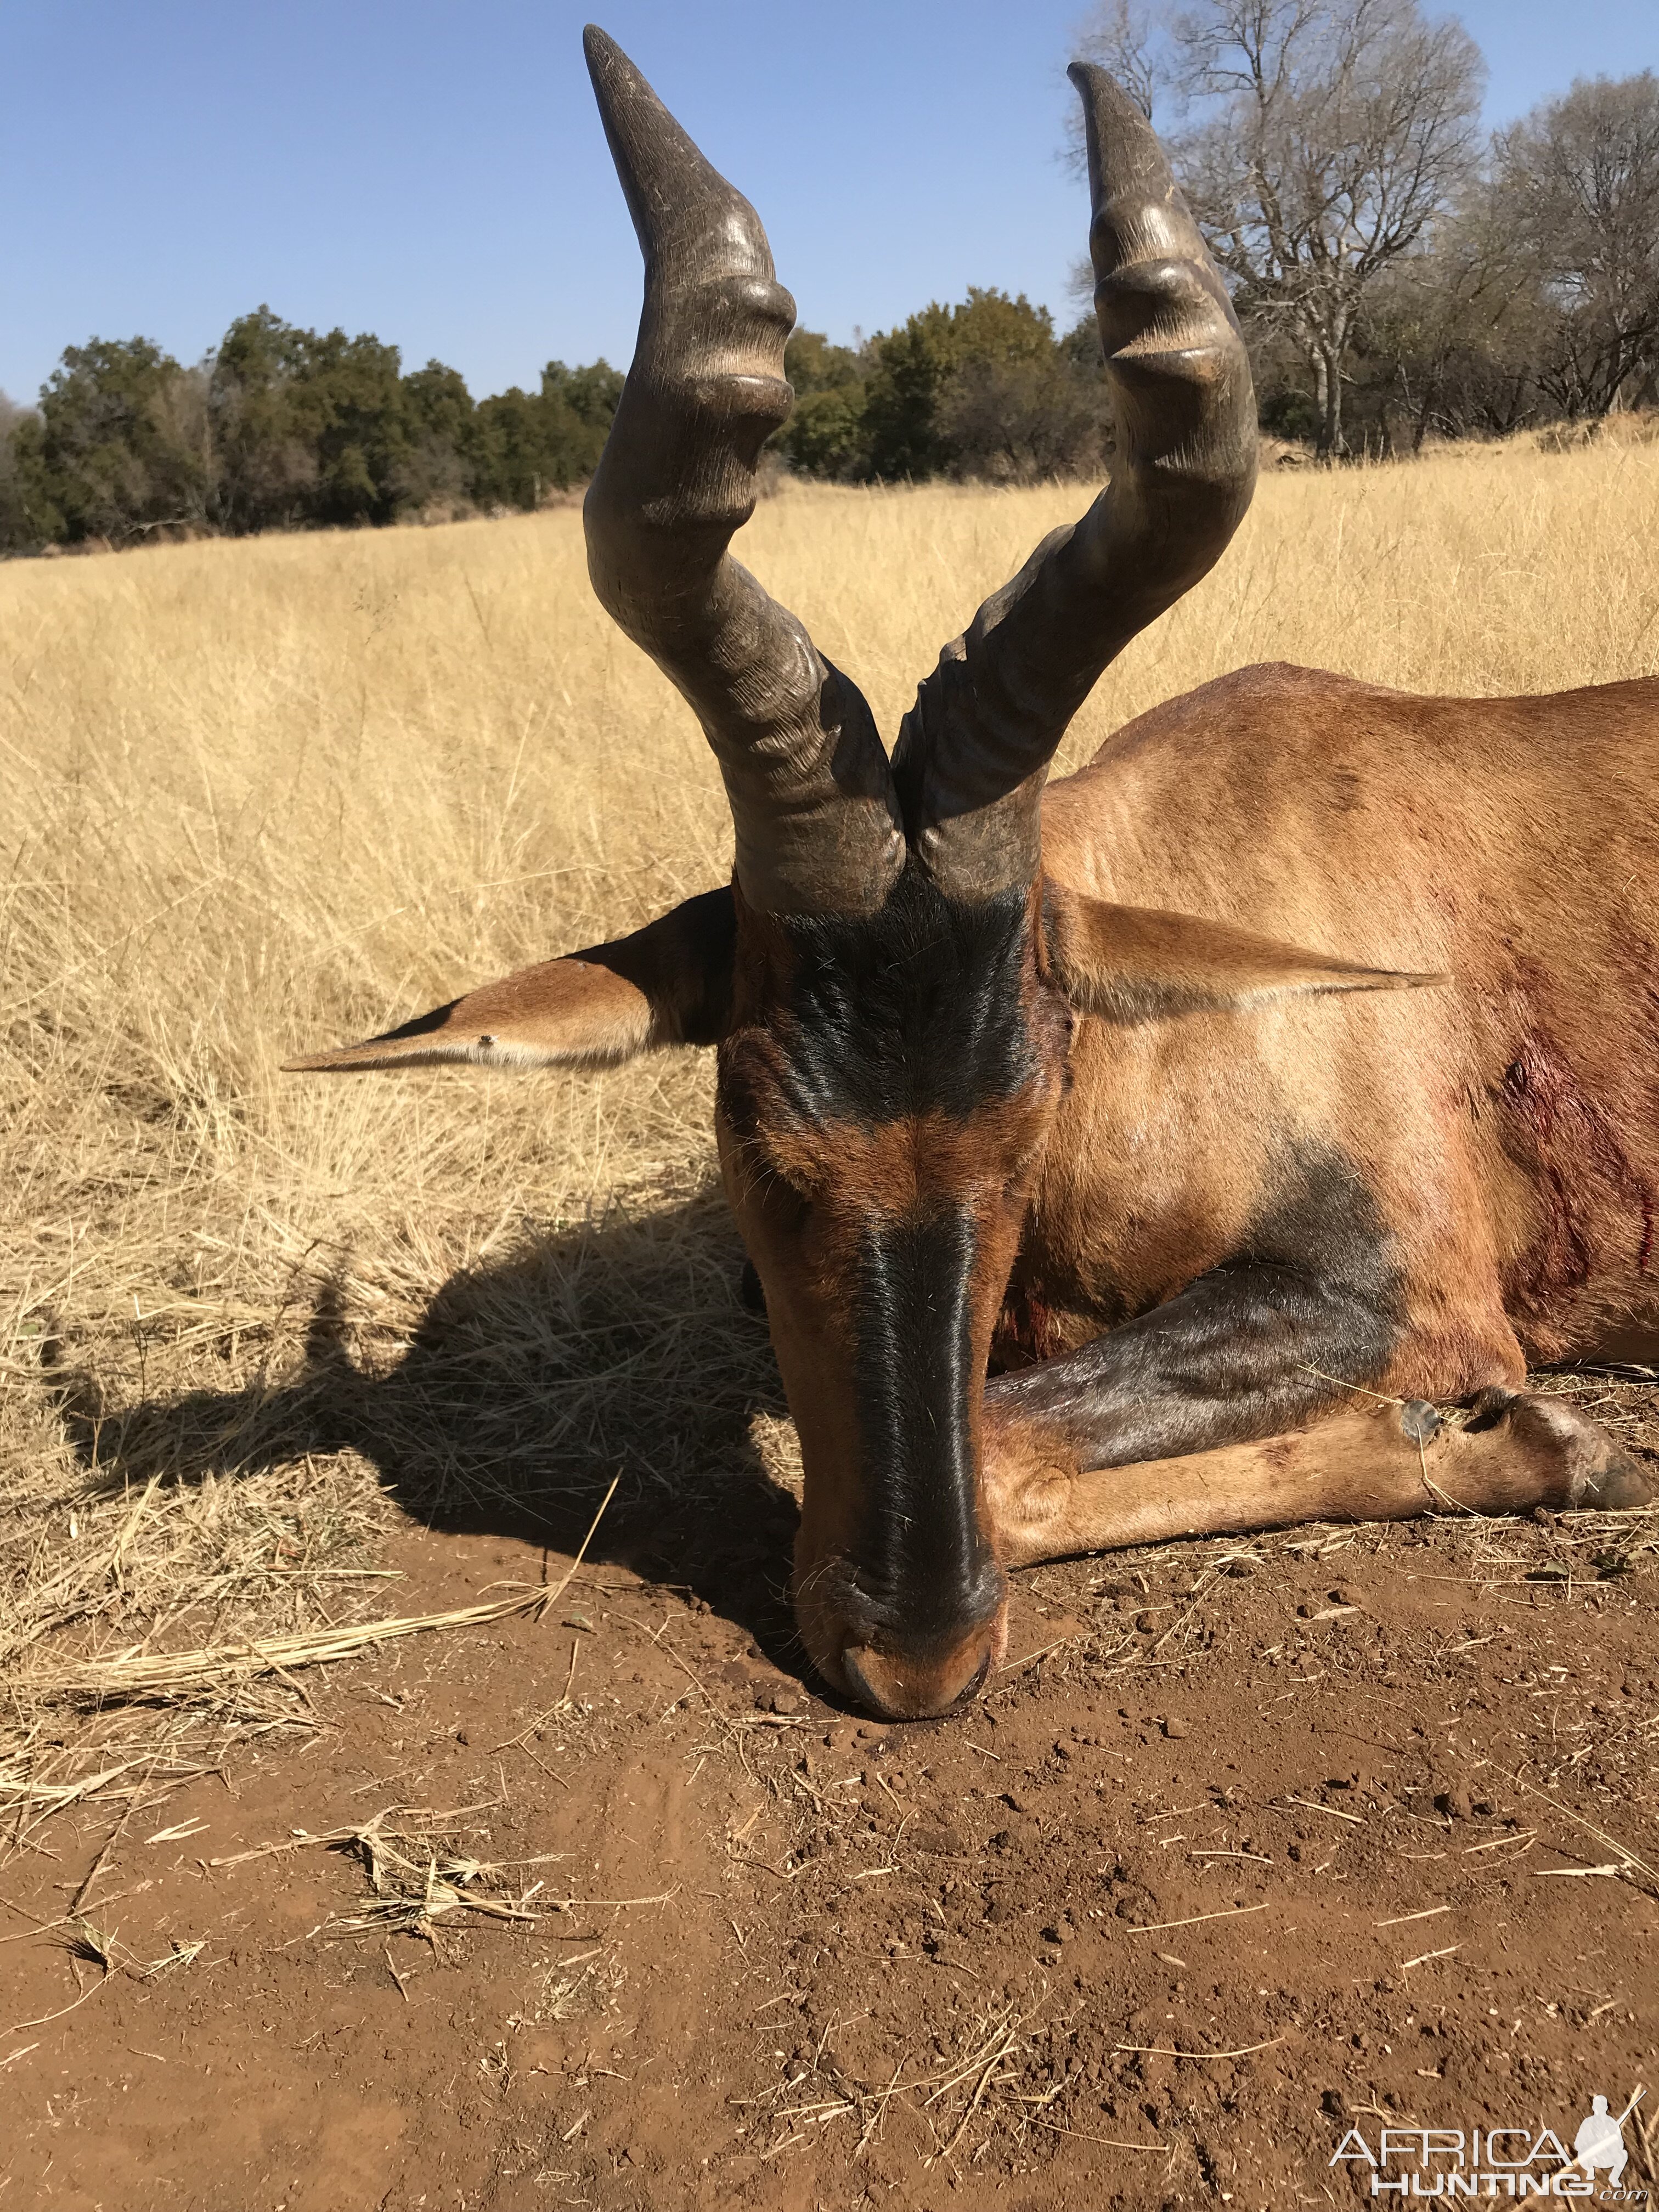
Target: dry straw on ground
268, 795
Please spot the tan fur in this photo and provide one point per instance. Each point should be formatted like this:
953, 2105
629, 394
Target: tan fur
1512, 844
1130, 964
857, 1175
560, 1013
1353, 1466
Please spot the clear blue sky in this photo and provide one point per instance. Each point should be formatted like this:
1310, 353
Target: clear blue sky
434, 172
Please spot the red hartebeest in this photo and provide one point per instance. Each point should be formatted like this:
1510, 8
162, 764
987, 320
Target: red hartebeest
1122, 1090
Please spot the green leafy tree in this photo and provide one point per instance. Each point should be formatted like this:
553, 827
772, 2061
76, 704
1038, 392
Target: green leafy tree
983, 390
824, 435
516, 462
902, 432
267, 470
443, 443
1018, 404
28, 516
536, 443
590, 395
308, 428
119, 447
348, 396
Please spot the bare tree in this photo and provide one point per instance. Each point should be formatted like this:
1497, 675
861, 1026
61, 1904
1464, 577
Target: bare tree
1451, 336
1317, 140
1125, 34
1578, 181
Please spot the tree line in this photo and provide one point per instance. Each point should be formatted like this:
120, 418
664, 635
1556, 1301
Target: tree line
1398, 274
283, 428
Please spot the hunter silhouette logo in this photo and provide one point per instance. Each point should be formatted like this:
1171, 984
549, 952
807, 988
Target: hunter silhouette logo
1600, 2141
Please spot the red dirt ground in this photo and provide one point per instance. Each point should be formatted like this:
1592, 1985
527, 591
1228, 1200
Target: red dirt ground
1364, 1818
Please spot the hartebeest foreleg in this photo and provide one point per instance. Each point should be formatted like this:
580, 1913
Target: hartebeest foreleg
1247, 1351
1515, 1451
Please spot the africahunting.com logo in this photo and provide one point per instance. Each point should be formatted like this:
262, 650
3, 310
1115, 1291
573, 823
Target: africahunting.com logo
1451, 2162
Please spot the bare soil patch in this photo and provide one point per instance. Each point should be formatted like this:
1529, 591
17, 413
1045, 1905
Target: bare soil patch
1249, 1843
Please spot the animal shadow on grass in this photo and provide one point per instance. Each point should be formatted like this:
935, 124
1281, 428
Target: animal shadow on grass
621, 1348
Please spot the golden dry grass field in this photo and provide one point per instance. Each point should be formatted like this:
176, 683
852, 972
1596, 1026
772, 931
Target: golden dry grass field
256, 1330
267, 795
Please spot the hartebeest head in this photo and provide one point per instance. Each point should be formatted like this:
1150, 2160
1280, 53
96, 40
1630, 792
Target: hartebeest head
891, 981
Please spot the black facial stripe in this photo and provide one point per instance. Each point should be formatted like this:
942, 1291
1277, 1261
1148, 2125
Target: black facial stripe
922, 1010
922, 1565
913, 1010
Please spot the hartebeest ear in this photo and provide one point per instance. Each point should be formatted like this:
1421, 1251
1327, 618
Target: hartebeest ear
669, 983
1133, 963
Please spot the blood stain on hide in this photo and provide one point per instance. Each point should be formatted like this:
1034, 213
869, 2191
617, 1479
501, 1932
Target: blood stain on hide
1558, 1132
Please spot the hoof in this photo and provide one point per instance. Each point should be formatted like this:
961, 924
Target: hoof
1618, 1484
1596, 1474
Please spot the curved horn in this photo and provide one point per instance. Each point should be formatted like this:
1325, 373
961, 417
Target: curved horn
812, 795
974, 749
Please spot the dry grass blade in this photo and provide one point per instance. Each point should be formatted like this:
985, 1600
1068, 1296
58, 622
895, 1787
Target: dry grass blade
31, 1791
1628, 1860
1111, 2142
975, 2081
1331, 1812
1153, 1927
163, 1675
415, 1883
418, 1877
91, 1945
1164, 2051
981, 2085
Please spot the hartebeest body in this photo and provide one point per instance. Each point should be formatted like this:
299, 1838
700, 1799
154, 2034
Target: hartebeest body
1090, 1087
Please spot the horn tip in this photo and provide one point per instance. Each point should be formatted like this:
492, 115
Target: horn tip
607, 62
1096, 84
